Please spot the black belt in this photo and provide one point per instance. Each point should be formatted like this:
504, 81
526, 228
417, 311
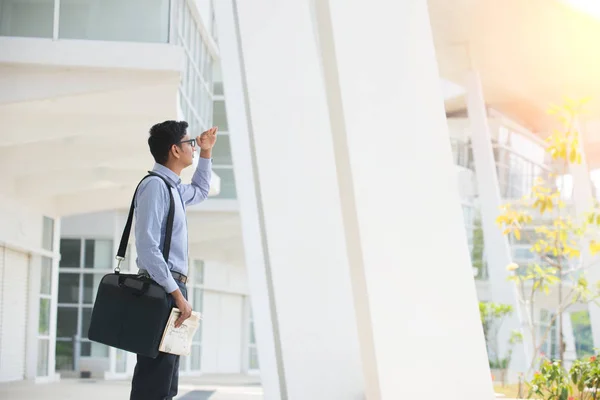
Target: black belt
176, 275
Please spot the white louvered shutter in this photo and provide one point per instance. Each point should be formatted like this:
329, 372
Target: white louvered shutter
14, 311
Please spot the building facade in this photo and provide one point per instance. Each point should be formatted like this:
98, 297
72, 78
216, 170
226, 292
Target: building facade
353, 201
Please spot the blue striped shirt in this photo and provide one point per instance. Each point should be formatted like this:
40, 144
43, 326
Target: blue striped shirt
151, 209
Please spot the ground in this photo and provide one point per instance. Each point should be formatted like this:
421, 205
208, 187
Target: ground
201, 388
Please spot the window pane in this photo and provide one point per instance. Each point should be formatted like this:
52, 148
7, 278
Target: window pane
198, 293
218, 88
252, 336
66, 325
198, 272
46, 276
27, 18
121, 360
116, 20
42, 357
227, 183
86, 317
219, 115
98, 254
70, 253
99, 350
48, 234
86, 349
253, 362
44, 320
64, 355
90, 287
196, 357
221, 153
68, 288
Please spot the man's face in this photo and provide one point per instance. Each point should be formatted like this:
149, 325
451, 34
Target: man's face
186, 150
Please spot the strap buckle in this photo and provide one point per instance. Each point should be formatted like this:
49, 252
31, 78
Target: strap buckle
118, 267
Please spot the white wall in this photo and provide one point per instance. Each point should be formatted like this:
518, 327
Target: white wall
225, 323
20, 224
96, 225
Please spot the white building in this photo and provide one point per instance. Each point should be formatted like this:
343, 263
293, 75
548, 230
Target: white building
333, 244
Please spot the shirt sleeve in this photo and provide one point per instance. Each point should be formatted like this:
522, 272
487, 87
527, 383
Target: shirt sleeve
197, 191
152, 204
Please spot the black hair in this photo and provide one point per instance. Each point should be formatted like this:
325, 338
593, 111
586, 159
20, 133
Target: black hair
163, 136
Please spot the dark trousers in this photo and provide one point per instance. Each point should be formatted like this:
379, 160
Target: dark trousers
157, 378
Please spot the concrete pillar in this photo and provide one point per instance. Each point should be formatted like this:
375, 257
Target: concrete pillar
355, 244
53, 375
569, 339
583, 199
497, 248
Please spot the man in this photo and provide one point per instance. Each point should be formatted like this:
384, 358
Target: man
173, 150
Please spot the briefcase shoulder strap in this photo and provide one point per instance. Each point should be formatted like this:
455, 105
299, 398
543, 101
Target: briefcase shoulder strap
127, 230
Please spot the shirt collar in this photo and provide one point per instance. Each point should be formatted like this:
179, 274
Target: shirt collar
167, 173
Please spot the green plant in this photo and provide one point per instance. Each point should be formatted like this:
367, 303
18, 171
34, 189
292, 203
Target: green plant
551, 382
585, 375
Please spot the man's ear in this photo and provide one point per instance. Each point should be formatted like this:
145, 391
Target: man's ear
175, 151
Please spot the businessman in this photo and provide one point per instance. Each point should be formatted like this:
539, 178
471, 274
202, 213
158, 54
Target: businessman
173, 150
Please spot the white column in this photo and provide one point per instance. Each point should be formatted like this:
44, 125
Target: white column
569, 339
286, 184
33, 314
379, 195
255, 246
404, 227
54, 301
583, 199
497, 248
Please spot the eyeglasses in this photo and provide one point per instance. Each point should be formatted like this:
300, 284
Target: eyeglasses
192, 142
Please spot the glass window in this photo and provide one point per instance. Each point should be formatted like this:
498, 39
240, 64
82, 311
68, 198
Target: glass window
196, 357
70, 252
90, 287
67, 322
221, 153
86, 349
44, 318
48, 234
64, 354
42, 359
228, 190
121, 361
46, 278
98, 254
253, 358
218, 88
219, 115
115, 20
198, 272
27, 18
68, 288
86, 317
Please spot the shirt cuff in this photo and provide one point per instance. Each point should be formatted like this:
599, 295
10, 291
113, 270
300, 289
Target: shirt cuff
170, 284
204, 164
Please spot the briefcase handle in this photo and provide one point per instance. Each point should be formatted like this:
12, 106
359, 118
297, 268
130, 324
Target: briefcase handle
133, 290
127, 230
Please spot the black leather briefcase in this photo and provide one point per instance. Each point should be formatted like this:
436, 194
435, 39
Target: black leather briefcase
131, 311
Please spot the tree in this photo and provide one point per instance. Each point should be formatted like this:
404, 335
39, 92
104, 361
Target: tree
542, 219
492, 316
477, 256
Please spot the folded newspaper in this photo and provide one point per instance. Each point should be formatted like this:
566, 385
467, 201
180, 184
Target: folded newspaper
179, 340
